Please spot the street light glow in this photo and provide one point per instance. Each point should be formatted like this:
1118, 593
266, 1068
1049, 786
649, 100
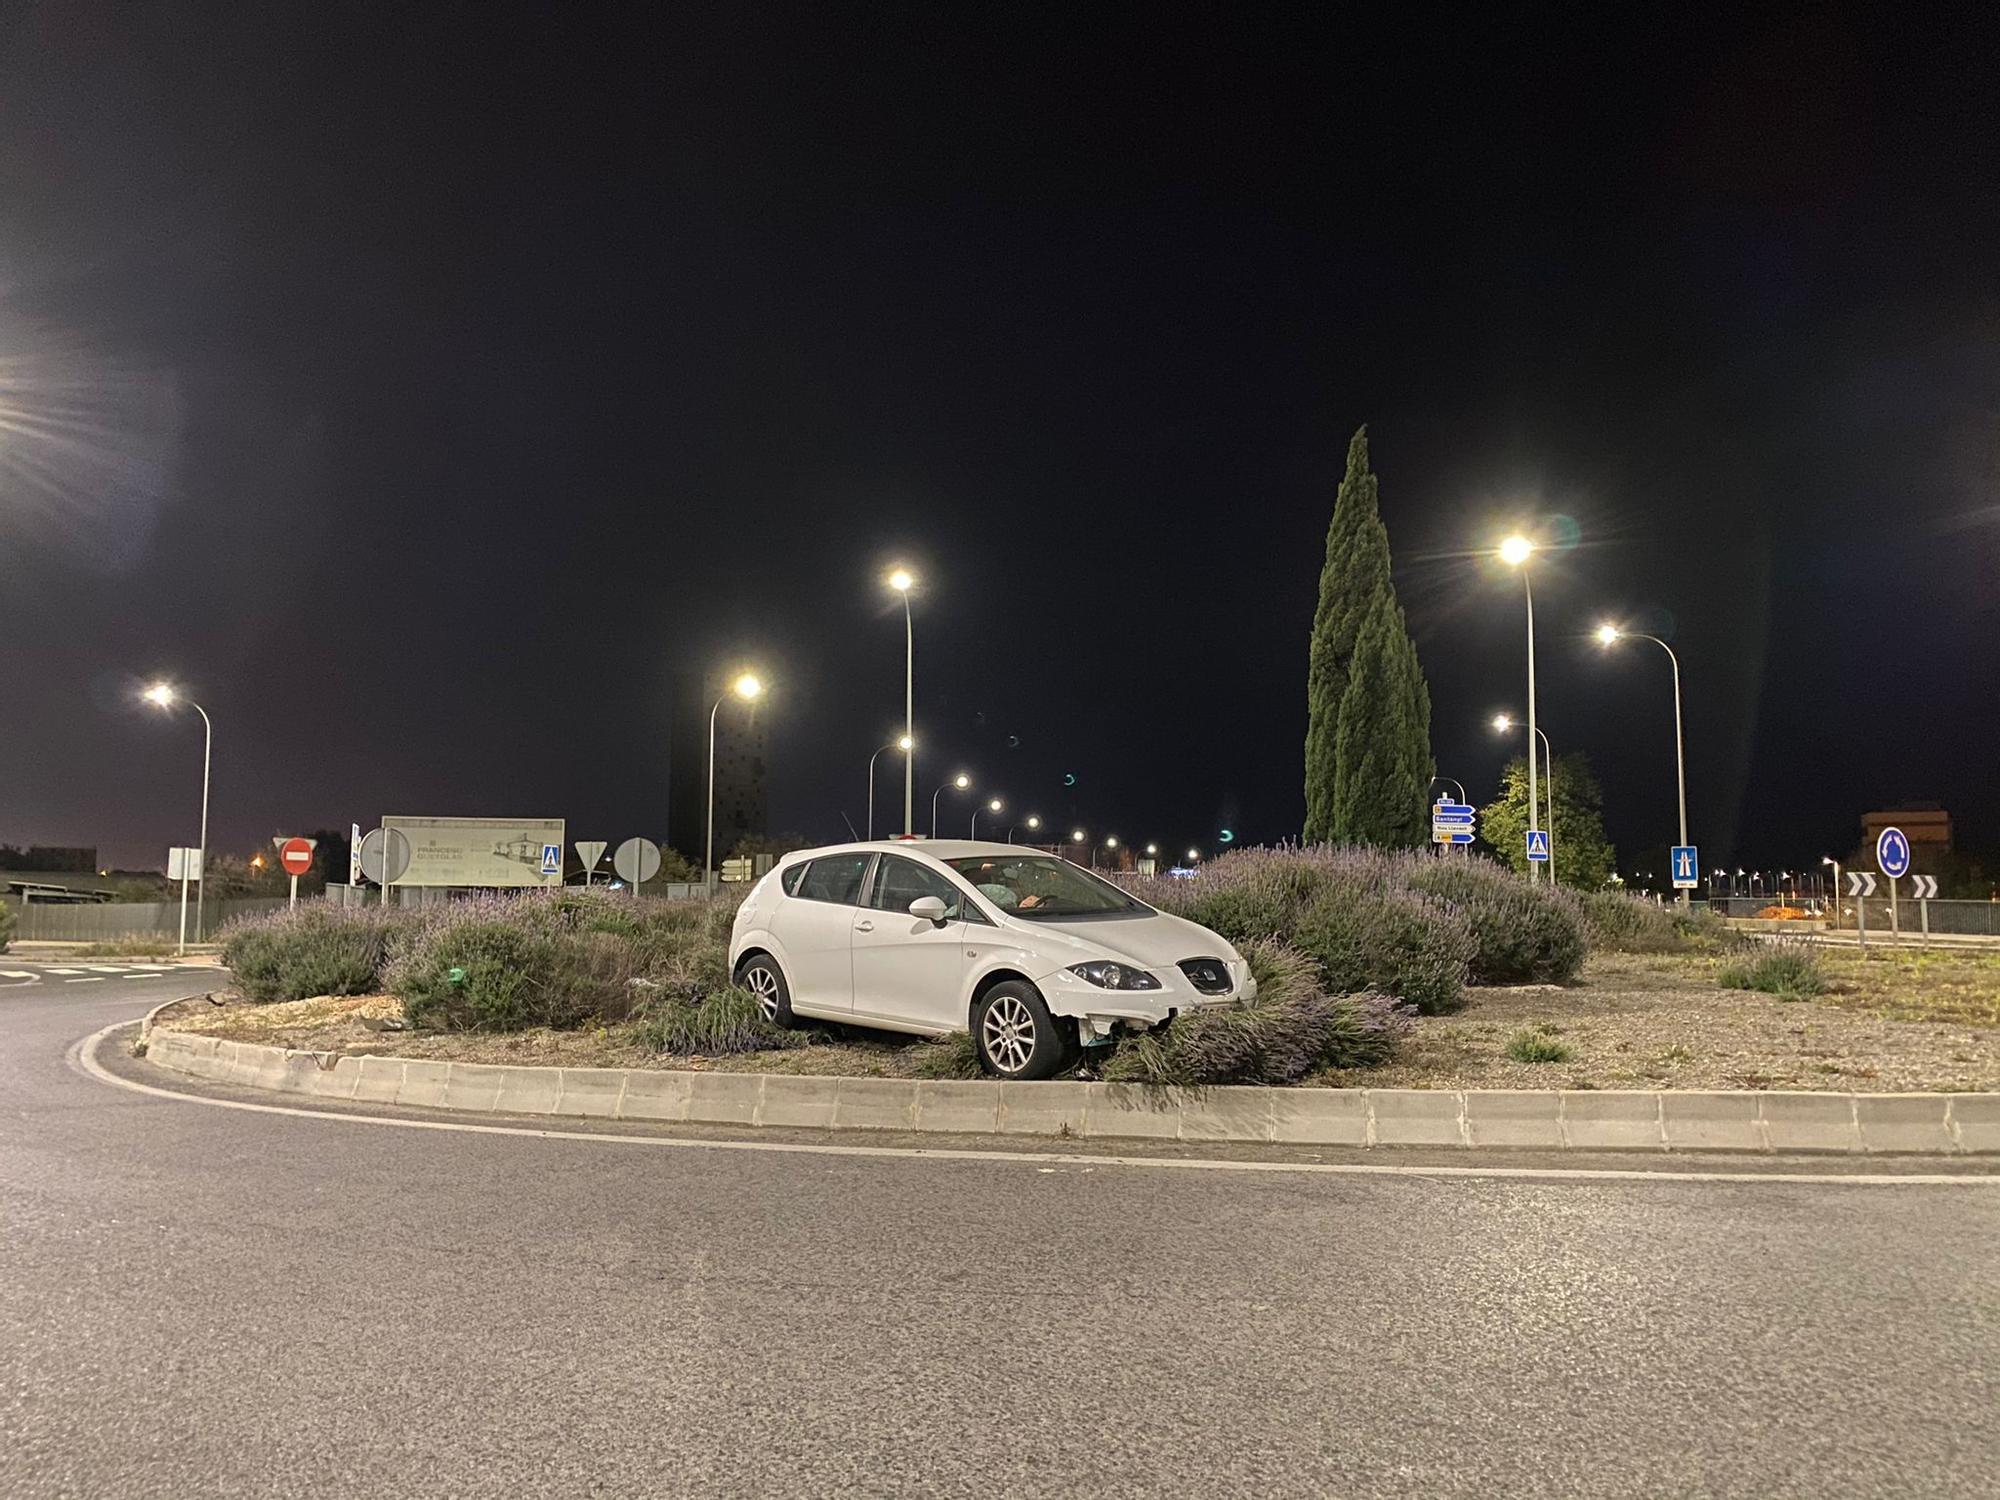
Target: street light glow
961, 781
160, 694
1077, 837
1112, 842
994, 805
1503, 722
902, 580
1152, 849
1034, 822
747, 686
1515, 550
1193, 855
1607, 634
905, 743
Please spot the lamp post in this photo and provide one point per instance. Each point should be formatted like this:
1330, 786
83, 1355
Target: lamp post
1077, 836
162, 695
747, 688
1503, 723
960, 781
1515, 552
1457, 785
1110, 842
1194, 856
902, 581
904, 744
1828, 859
1609, 635
993, 807
1033, 822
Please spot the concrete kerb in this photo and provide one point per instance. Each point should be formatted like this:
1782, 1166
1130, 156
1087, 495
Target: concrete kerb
1654, 1120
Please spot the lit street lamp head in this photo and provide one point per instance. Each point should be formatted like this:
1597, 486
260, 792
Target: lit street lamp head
1607, 635
746, 687
1077, 837
1516, 550
905, 743
902, 580
994, 805
961, 781
1152, 849
1112, 842
1503, 722
160, 695
1034, 822
1193, 855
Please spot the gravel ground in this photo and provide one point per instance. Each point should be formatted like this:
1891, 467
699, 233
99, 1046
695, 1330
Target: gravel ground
1889, 1023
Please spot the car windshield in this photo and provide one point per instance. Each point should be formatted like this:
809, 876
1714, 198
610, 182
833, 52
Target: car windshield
1043, 887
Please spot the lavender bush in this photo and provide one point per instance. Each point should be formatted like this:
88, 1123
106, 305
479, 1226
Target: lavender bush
311, 949
1521, 933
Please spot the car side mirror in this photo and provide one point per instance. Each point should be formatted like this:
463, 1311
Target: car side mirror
928, 909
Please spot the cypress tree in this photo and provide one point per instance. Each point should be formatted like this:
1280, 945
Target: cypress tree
1382, 744
1355, 571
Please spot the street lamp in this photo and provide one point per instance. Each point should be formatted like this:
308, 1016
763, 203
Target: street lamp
1457, 785
1193, 856
960, 781
993, 807
1031, 825
1110, 842
1505, 722
1077, 836
162, 695
1609, 635
1515, 552
905, 744
902, 581
1828, 859
747, 688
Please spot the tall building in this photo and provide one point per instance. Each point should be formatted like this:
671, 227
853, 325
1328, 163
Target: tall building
1925, 824
740, 759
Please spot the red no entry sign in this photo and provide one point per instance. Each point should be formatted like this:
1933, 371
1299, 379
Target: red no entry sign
296, 855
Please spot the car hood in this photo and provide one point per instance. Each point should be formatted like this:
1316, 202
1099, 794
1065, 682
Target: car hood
1153, 941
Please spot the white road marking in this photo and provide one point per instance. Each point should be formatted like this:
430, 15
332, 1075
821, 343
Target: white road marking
83, 1056
65, 971
16, 974
89, 979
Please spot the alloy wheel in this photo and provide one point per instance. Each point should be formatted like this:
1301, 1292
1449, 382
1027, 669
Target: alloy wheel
1008, 1034
763, 984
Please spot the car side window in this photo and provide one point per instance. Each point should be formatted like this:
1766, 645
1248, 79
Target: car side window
898, 882
790, 879
835, 878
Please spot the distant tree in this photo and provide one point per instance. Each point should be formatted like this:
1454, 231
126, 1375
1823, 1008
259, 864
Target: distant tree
333, 850
231, 877
1363, 744
1583, 857
1355, 570
1383, 744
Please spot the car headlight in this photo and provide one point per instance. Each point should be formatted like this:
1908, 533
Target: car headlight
1107, 975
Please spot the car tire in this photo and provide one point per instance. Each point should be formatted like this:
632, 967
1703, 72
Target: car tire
761, 976
1016, 1036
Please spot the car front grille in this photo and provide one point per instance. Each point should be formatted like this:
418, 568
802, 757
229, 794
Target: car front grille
1209, 975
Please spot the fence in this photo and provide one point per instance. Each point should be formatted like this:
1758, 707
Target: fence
83, 923
1947, 918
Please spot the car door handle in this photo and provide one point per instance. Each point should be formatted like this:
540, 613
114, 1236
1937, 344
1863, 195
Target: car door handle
864, 926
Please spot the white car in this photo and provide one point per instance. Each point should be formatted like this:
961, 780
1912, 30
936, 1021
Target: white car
1033, 955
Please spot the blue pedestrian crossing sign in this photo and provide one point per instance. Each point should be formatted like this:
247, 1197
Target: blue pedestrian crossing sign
1892, 853
552, 859
1538, 845
1687, 867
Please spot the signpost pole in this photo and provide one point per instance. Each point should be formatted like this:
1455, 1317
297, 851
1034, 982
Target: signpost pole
295, 891
1861, 920
184, 901
1895, 923
1924, 917
386, 865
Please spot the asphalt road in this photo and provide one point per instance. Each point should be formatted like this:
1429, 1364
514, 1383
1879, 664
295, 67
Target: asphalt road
208, 1301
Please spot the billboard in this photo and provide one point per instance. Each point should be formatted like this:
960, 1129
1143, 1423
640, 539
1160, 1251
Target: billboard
482, 851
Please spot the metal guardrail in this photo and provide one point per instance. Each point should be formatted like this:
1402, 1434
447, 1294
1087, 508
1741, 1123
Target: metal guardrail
1947, 918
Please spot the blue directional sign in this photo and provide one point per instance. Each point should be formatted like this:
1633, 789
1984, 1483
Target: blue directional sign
1892, 853
1538, 845
1687, 867
1451, 822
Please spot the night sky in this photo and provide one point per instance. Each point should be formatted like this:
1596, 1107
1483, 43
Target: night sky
425, 393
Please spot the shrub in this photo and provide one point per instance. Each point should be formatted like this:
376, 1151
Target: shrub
1791, 971
1537, 1044
7, 921
728, 1020
949, 1056
507, 963
311, 949
1521, 933
1291, 1029
1397, 942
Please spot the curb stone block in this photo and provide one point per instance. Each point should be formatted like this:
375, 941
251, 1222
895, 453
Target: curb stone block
1891, 1122
964, 1105
528, 1091
1053, 1108
1612, 1119
1512, 1117
875, 1103
336, 1082
653, 1095
1975, 1120
1701, 1120
1320, 1117
803, 1102
473, 1086
1415, 1117
424, 1082
298, 1070
1809, 1122
1226, 1114
724, 1098
1133, 1111
381, 1080
590, 1091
